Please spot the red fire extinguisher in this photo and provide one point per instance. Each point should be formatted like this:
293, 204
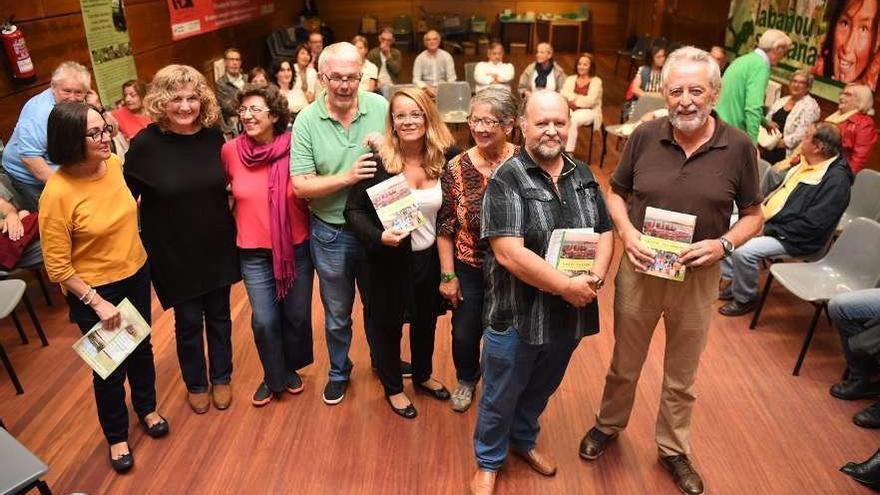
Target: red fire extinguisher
17, 52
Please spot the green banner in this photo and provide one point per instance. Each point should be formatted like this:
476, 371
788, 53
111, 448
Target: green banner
109, 47
836, 39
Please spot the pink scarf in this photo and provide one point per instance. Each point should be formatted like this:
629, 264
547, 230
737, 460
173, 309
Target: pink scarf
277, 155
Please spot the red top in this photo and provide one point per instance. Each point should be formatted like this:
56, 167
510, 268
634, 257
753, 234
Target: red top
250, 188
129, 123
582, 90
858, 136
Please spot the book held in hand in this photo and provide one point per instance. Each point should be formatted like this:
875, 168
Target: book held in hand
667, 233
396, 205
104, 350
572, 250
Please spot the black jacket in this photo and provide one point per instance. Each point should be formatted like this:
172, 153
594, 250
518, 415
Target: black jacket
811, 212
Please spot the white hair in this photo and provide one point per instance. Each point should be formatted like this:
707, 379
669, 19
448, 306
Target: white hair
863, 97
773, 39
692, 55
72, 69
338, 51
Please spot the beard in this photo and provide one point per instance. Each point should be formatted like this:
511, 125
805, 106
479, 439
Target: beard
695, 120
547, 149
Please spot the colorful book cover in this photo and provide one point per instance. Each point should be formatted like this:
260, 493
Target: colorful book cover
667, 233
396, 205
104, 350
572, 250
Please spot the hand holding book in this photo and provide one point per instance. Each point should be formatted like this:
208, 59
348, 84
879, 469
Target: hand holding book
578, 292
703, 253
392, 237
638, 253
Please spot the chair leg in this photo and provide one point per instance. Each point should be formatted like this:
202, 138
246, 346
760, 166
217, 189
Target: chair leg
590, 147
34, 319
43, 488
604, 143
807, 338
10, 370
24, 339
764, 294
38, 272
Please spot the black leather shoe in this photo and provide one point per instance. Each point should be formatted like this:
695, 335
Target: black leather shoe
736, 308
855, 389
594, 443
726, 295
686, 477
868, 417
866, 473
158, 430
123, 463
408, 412
440, 394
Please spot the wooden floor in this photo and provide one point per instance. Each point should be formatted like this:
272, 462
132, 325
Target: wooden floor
756, 428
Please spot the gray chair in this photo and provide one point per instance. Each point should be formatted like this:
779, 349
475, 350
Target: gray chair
469, 75
20, 470
864, 200
453, 101
852, 263
646, 104
396, 87
12, 292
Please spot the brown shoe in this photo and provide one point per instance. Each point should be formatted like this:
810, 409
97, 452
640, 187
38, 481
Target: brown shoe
483, 483
686, 477
594, 443
200, 402
222, 395
537, 461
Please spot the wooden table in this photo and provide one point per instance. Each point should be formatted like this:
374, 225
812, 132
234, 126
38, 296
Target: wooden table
565, 35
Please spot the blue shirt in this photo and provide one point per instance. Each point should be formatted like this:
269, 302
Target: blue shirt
29, 138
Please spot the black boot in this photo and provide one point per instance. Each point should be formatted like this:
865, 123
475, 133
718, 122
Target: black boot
868, 417
866, 473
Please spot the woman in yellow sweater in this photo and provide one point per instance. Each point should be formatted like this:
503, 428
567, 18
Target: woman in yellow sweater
91, 246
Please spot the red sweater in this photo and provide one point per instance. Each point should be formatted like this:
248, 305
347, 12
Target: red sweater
858, 136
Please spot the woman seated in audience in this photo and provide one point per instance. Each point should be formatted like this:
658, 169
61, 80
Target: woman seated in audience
272, 238
258, 76
791, 116
132, 117
174, 168
492, 117
286, 80
91, 246
370, 73
495, 71
646, 80
583, 90
404, 264
854, 118
543, 74
306, 75
19, 232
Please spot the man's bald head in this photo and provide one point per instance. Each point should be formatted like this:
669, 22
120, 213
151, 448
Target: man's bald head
545, 125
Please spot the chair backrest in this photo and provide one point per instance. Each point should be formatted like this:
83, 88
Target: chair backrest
397, 87
453, 97
647, 103
855, 255
469, 75
865, 196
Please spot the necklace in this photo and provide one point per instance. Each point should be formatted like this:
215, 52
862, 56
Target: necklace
493, 163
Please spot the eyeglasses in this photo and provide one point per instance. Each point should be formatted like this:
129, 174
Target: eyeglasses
97, 133
253, 109
400, 118
487, 123
339, 80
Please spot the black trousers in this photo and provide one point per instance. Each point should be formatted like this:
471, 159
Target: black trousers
209, 312
138, 367
422, 315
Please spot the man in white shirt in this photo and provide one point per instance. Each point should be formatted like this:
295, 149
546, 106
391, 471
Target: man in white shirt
495, 71
370, 71
434, 65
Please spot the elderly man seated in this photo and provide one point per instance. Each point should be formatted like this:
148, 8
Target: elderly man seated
800, 214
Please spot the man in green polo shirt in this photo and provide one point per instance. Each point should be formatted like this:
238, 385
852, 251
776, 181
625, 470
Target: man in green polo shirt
329, 154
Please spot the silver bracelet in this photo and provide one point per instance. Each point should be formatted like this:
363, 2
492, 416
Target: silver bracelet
89, 302
83, 297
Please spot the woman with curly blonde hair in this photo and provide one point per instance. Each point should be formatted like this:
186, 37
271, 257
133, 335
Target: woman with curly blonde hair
405, 264
174, 168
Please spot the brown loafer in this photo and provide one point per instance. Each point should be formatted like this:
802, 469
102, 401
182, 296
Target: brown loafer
200, 402
483, 483
537, 461
686, 477
222, 395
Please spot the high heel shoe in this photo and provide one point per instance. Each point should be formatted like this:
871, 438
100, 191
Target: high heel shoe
408, 412
122, 464
440, 394
866, 473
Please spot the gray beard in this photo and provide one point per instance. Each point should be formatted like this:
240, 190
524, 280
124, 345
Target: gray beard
689, 126
546, 153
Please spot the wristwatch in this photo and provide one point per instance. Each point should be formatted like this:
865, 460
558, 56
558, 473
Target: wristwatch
727, 245
447, 276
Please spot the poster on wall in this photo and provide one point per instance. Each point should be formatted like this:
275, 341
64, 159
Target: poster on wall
837, 40
109, 47
194, 17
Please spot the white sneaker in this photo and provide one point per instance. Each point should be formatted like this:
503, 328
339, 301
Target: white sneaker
462, 397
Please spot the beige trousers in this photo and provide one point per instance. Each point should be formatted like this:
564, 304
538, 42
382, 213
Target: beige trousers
686, 307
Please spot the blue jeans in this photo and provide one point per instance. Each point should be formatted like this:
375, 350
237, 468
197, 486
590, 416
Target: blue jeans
518, 380
30, 194
282, 329
338, 258
743, 265
467, 324
851, 313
